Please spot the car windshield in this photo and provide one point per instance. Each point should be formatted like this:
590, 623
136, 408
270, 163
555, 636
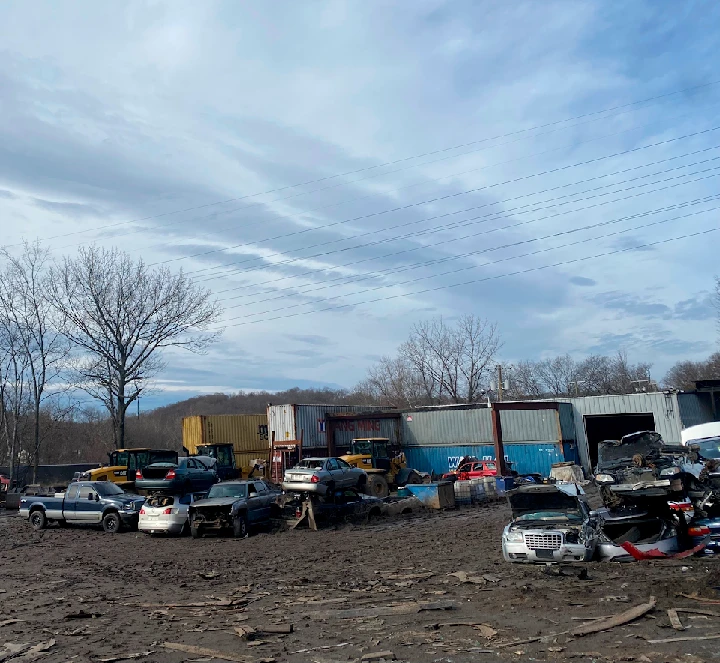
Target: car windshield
119, 458
311, 463
362, 447
107, 489
228, 490
557, 516
709, 448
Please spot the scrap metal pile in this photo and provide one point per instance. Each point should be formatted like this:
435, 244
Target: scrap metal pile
658, 501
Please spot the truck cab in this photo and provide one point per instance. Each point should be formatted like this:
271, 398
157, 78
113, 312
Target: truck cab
225, 457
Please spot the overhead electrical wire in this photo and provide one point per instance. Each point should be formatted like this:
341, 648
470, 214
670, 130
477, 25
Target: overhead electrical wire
483, 220
227, 268
388, 163
330, 269
517, 210
518, 243
437, 199
519, 272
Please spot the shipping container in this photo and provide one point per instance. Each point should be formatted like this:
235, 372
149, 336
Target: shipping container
526, 458
248, 433
289, 422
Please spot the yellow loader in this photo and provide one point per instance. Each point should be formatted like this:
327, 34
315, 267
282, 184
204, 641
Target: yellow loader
384, 472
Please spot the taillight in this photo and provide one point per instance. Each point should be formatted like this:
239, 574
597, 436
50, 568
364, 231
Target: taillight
170, 474
138, 474
314, 478
142, 512
698, 530
167, 512
298, 513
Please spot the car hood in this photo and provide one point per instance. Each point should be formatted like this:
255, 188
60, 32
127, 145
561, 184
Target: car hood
533, 499
126, 499
217, 501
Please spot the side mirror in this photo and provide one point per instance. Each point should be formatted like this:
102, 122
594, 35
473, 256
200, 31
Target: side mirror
97, 497
90, 496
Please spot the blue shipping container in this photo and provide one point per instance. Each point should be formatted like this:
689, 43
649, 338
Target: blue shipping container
526, 458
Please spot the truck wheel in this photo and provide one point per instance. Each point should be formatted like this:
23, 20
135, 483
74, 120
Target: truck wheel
111, 523
407, 477
38, 520
196, 531
240, 526
377, 486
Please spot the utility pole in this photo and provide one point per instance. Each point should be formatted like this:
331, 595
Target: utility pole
138, 405
500, 382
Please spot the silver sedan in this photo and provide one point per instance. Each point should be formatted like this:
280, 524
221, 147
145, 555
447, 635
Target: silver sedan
320, 475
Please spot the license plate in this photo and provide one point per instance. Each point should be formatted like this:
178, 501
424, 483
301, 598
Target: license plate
544, 554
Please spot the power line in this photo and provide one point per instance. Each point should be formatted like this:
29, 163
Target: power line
473, 222
518, 210
396, 270
381, 165
489, 278
550, 171
439, 198
519, 243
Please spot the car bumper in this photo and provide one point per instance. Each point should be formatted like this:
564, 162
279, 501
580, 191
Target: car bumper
304, 487
568, 552
161, 525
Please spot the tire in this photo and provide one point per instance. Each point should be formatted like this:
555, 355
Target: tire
185, 529
38, 520
111, 523
240, 526
329, 490
196, 531
377, 486
407, 477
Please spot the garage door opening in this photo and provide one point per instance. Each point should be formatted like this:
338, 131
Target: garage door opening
613, 427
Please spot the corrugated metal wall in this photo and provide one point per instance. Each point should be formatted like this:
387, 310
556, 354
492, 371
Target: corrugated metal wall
287, 421
246, 432
348, 429
458, 427
526, 458
695, 409
663, 407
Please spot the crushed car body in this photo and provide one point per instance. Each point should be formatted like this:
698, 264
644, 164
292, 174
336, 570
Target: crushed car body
549, 524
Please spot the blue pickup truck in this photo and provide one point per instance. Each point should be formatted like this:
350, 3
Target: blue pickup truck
85, 503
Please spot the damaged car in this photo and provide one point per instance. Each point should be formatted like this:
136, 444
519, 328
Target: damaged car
233, 506
550, 523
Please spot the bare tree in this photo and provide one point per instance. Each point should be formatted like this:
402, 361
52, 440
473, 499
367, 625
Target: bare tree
39, 337
120, 314
684, 374
558, 376
439, 363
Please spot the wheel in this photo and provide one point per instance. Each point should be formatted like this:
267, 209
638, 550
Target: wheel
187, 488
185, 529
196, 531
407, 477
111, 523
240, 526
38, 520
329, 491
377, 486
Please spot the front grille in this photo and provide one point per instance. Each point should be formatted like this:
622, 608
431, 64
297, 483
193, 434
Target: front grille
543, 541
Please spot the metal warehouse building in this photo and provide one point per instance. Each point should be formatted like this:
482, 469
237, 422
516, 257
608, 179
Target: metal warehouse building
535, 434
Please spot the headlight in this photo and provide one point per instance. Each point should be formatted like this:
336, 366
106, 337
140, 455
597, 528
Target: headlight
572, 537
604, 478
670, 471
129, 507
514, 537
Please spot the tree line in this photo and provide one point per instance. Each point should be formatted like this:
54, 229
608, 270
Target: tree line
97, 323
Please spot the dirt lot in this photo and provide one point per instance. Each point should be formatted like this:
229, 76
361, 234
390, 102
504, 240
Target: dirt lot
135, 585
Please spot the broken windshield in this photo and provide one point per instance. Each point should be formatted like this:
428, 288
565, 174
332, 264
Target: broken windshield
555, 516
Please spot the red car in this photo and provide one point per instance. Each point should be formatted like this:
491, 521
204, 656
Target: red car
473, 470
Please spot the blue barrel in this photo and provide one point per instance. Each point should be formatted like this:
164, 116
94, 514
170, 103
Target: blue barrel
503, 484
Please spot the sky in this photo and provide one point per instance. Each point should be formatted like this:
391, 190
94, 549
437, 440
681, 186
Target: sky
335, 172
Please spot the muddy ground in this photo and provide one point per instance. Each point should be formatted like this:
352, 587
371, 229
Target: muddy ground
135, 586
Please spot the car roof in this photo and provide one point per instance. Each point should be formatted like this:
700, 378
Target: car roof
240, 482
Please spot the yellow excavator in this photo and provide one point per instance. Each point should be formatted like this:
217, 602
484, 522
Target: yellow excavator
123, 463
384, 471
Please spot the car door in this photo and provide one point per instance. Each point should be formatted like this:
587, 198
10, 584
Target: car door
337, 476
87, 508
71, 495
192, 473
351, 475
265, 499
254, 502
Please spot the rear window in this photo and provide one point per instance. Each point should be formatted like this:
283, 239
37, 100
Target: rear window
312, 463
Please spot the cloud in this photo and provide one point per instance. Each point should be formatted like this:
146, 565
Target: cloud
582, 281
181, 107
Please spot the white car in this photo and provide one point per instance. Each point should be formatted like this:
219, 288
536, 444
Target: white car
550, 524
167, 514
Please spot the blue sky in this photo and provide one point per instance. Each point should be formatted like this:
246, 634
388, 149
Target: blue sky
115, 112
